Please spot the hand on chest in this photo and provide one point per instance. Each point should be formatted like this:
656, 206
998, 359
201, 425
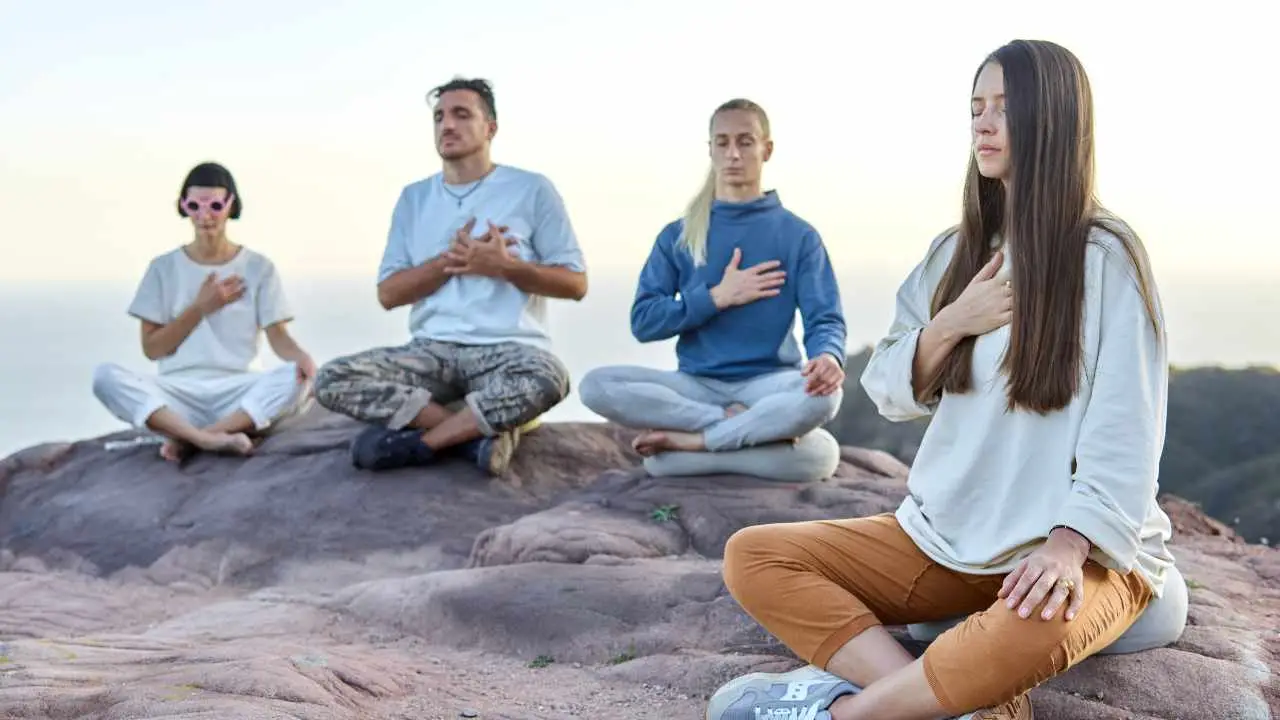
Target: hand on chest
513, 229
750, 264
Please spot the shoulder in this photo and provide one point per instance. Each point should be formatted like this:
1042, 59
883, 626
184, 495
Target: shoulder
522, 177
940, 250
419, 189
166, 263
1113, 248
257, 263
670, 233
794, 225
1116, 263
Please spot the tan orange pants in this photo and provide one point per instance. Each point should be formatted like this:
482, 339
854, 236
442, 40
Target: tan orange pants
816, 585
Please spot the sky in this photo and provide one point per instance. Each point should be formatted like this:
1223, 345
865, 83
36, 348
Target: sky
318, 109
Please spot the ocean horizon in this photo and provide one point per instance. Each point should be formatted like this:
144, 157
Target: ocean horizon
54, 335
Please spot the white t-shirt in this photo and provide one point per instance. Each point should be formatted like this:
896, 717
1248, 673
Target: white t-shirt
227, 341
988, 484
477, 310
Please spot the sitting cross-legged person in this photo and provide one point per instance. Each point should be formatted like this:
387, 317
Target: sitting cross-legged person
476, 250
727, 280
203, 308
1030, 537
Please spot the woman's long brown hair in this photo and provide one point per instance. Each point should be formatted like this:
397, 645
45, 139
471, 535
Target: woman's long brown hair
1045, 218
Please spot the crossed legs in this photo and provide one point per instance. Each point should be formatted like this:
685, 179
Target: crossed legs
682, 415
825, 589
217, 414
405, 393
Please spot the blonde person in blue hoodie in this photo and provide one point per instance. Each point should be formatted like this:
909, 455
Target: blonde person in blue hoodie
727, 280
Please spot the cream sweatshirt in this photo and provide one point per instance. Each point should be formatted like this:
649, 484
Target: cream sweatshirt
987, 484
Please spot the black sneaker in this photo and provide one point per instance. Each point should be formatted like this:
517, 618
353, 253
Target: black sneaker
379, 448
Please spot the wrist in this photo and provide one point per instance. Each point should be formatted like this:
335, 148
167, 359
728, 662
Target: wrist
510, 268
718, 298
1077, 542
944, 328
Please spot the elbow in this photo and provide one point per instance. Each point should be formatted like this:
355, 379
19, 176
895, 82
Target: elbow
387, 299
578, 291
149, 349
645, 334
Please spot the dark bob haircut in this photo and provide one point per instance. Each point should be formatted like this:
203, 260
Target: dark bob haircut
210, 174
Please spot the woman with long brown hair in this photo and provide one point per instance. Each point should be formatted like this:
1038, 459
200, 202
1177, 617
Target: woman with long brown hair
1032, 335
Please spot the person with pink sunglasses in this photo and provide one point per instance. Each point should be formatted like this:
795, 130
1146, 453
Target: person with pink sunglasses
204, 307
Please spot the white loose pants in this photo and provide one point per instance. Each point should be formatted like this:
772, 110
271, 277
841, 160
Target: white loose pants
266, 397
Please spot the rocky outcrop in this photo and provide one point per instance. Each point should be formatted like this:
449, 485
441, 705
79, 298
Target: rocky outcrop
291, 585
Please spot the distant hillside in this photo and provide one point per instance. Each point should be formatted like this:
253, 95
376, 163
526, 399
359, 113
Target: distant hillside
1222, 448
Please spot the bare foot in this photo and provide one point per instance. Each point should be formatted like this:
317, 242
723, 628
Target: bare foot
734, 409
233, 443
656, 441
175, 451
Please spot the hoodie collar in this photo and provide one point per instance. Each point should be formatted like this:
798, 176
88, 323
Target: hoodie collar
766, 202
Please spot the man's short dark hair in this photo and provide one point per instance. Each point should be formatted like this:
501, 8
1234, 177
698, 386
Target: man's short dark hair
478, 86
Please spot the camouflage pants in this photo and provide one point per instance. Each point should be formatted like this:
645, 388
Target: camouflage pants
505, 385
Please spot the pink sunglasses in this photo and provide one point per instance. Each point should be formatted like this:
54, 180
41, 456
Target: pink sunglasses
194, 206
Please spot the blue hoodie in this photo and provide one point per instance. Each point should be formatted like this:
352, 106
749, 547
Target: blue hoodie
674, 298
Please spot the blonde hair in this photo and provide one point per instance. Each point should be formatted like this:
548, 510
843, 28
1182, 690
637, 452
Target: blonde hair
697, 215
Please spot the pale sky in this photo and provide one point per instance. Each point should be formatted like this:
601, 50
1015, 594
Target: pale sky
318, 109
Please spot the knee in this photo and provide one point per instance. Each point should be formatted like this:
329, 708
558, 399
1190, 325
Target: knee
285, 385
817, 456
593, 389
745, 553
550, 384
822, 409
106, 378
324, 385
1027, 657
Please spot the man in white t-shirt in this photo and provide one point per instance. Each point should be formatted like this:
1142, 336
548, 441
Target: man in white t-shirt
203, 308
476, 250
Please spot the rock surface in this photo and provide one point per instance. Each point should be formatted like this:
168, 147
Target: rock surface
290, 585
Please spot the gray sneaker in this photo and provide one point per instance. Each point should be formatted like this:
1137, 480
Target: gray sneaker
801, 694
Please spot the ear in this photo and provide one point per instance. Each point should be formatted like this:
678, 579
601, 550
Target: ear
493, 128
182, 212
768, 150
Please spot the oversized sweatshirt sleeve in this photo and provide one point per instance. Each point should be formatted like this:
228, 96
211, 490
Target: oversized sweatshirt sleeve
887, 376
818, 297
1122, 430
657, 313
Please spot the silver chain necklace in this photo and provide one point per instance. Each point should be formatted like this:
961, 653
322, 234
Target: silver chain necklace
465, 195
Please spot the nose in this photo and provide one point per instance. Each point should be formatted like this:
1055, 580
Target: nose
985, 123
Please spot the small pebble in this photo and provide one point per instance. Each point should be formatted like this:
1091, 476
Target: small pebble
470, 714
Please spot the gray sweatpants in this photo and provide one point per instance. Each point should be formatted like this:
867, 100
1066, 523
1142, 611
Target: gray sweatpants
778, 409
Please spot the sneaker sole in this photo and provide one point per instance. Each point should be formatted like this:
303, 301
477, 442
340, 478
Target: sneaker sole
732, 690
504, 448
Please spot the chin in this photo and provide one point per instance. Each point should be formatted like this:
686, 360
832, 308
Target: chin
455, 153
992, 169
